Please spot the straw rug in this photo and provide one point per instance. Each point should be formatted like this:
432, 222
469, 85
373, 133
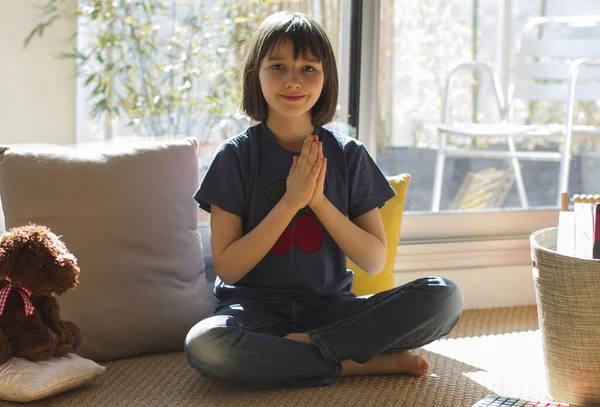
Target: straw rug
490, 351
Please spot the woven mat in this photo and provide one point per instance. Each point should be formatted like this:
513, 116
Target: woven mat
490, 351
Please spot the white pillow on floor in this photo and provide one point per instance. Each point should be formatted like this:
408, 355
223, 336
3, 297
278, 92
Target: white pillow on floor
22, 380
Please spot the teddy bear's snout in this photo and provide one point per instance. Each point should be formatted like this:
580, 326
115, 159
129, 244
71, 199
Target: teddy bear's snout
64, 277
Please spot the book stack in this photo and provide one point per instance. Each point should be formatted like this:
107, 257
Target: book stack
579, 231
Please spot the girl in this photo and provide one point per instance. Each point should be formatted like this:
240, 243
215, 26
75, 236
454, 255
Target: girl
289, 200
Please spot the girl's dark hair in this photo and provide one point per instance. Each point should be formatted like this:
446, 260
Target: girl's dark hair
306, 35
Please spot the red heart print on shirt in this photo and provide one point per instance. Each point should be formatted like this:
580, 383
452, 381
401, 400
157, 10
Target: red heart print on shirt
304, 230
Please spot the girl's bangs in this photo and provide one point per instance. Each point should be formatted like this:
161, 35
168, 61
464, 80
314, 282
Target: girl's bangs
303, 36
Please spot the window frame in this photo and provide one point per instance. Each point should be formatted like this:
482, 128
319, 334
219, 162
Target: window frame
447, 226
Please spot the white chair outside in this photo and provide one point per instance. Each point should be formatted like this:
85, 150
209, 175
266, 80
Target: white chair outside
545, 69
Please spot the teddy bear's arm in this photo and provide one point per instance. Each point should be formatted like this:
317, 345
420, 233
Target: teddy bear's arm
5, 349
49, 311
68, 333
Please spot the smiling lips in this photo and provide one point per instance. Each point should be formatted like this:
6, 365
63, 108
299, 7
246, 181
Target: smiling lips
293, 98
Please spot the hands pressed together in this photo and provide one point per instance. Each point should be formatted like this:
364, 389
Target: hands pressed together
306, 180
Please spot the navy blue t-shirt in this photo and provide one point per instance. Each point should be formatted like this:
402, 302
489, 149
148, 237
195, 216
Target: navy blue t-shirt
247, 177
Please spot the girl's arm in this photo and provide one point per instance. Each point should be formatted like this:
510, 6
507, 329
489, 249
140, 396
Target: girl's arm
361, 239
233, 255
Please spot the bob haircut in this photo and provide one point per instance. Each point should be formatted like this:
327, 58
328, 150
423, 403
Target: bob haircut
306, 36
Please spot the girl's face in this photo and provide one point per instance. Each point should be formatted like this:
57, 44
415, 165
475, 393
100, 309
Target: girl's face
290, 87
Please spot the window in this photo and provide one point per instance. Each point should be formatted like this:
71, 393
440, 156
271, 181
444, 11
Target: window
203, 46
396, 105
418, 43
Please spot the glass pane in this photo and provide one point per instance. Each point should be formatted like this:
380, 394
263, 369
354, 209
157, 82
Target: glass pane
202, 46
420, 42
193, 72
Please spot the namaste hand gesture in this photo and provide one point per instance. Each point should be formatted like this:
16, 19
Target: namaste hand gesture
305, 182
318, 197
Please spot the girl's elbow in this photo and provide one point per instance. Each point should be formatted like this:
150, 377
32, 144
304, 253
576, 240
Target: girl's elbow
378, 266
225, 276
227, 280
374, 270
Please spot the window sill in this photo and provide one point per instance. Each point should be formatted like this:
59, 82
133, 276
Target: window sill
428, 227
462, 254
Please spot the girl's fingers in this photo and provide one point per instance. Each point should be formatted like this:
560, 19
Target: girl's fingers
321, 168
306, 148
316, 170
321, 179
306, 163
319, 150
312, 150
313, 153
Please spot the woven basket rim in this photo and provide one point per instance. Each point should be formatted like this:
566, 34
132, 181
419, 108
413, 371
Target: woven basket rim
536, 246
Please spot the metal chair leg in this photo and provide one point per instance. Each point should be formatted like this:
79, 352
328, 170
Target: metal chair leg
518, 176
439, 174
565, 162
437, 183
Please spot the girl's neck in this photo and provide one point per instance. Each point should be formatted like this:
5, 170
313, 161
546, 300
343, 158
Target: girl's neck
290, 132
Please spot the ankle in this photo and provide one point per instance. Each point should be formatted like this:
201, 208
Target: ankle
299, 337
388, 363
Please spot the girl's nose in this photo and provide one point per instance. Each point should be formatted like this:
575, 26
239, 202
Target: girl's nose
292, 79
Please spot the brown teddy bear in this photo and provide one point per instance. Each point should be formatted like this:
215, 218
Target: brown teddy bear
35, 266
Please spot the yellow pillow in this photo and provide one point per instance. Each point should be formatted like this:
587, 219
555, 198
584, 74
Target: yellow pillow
391, 214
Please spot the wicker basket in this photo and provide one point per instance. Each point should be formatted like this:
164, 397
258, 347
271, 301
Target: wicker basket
568, 301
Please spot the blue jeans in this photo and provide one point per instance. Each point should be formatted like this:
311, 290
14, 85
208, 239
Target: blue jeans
244, 342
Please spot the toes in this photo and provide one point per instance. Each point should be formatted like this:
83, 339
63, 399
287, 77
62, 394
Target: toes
421, 366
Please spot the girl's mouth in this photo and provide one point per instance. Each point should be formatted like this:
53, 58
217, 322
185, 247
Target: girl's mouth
293, 98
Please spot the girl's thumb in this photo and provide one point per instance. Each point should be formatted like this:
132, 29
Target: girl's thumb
294, 162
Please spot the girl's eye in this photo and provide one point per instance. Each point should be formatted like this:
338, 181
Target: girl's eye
277, 67
309, 69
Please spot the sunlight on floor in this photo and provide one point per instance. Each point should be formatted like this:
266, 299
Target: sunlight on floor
510, 362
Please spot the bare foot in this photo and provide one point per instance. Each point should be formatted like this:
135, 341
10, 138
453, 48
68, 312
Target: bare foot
299, 337
388, 363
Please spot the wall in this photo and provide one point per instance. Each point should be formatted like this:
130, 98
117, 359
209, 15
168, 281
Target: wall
484, 287
38, 89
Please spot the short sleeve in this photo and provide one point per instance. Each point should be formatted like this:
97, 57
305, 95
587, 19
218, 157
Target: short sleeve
368, 187
223, 184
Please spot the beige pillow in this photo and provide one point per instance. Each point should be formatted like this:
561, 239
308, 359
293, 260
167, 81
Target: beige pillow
127, 213
22, 380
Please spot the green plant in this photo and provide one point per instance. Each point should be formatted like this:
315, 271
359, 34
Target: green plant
164, 67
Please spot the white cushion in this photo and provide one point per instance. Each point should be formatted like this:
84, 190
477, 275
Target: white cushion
22, 380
